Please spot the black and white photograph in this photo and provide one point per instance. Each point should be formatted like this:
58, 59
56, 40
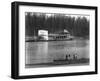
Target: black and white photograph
53, 39
50, 40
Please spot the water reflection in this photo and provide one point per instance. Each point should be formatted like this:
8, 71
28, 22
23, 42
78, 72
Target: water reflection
45, 52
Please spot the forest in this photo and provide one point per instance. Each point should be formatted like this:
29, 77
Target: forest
55, 23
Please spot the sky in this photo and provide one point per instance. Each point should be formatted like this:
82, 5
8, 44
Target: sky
74, 15
71, 15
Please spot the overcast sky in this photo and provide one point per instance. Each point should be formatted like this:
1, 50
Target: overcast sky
51, 14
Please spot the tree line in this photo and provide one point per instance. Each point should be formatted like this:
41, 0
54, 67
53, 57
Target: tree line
56, 23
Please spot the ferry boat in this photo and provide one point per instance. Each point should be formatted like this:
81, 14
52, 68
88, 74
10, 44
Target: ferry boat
44, 36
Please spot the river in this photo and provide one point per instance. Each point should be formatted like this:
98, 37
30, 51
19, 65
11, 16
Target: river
46, 52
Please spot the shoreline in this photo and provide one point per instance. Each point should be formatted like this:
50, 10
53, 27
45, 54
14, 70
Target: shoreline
60, 63
46, 40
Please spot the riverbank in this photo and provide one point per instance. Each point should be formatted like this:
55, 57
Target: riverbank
76, 62
47, 40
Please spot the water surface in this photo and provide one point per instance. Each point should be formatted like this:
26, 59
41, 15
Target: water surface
46, 52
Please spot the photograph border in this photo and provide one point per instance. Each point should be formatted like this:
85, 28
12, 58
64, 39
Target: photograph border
15, 39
